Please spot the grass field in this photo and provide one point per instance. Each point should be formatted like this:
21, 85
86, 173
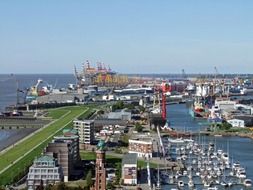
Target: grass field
41, 138
87, 155
56, 113
91, 156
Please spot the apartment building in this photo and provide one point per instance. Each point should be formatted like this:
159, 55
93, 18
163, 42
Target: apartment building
129, 169
44, 171
86, 132
143, 147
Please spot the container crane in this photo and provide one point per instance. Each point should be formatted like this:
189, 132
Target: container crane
183, 74
216, 73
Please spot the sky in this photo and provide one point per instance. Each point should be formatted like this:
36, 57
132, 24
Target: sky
132, 36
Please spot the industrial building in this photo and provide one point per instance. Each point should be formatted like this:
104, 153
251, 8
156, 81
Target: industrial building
120, 114
44, 171
236, 122
129, 169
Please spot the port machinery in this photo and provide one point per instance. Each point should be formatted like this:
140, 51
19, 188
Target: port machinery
101, 76
163, 89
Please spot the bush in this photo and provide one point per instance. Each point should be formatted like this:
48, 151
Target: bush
89, 179
225, 126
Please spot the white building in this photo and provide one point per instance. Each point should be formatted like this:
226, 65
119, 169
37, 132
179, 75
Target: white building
109, 97
225, 104
44, 171
86, 131
143, 147
129, 169
236, 122
120, 114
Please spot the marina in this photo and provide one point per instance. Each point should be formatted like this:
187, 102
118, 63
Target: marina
205, 167
209, 159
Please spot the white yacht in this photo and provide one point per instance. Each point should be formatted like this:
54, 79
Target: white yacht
179, 140
191, 183
247, 182
180, 184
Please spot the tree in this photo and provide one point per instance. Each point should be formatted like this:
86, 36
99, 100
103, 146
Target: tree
110, 186
138, 127
124, 140
118, 172
225, 126
118, 105
129, 106
89, 178
49, 187
141, 108
61, 186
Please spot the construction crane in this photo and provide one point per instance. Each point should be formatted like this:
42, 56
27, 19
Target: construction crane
183, 74
78, 77
34, 89
216, 73
156, 102
20, 93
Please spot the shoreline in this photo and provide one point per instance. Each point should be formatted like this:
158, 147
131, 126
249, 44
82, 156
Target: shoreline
229, 134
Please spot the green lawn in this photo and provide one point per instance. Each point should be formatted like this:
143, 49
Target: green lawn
56, 113
91, 156
88, 155
143, 164
18, 169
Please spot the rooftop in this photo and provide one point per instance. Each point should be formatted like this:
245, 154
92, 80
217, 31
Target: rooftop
130, 158
45, 158
70, 132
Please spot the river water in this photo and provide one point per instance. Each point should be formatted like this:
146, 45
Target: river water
8, 96
8, 84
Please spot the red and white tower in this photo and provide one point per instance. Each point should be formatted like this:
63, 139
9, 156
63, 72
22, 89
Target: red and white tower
165, 89
100, 183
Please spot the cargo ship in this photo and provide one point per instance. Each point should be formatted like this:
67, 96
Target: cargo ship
33, 92
202, 102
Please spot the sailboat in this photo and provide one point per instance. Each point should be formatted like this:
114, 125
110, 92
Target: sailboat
191, 183
158, 179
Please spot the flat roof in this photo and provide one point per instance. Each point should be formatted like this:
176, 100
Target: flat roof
129, 158
45, 158
102, 122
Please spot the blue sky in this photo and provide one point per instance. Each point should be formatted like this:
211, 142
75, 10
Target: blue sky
131, 36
